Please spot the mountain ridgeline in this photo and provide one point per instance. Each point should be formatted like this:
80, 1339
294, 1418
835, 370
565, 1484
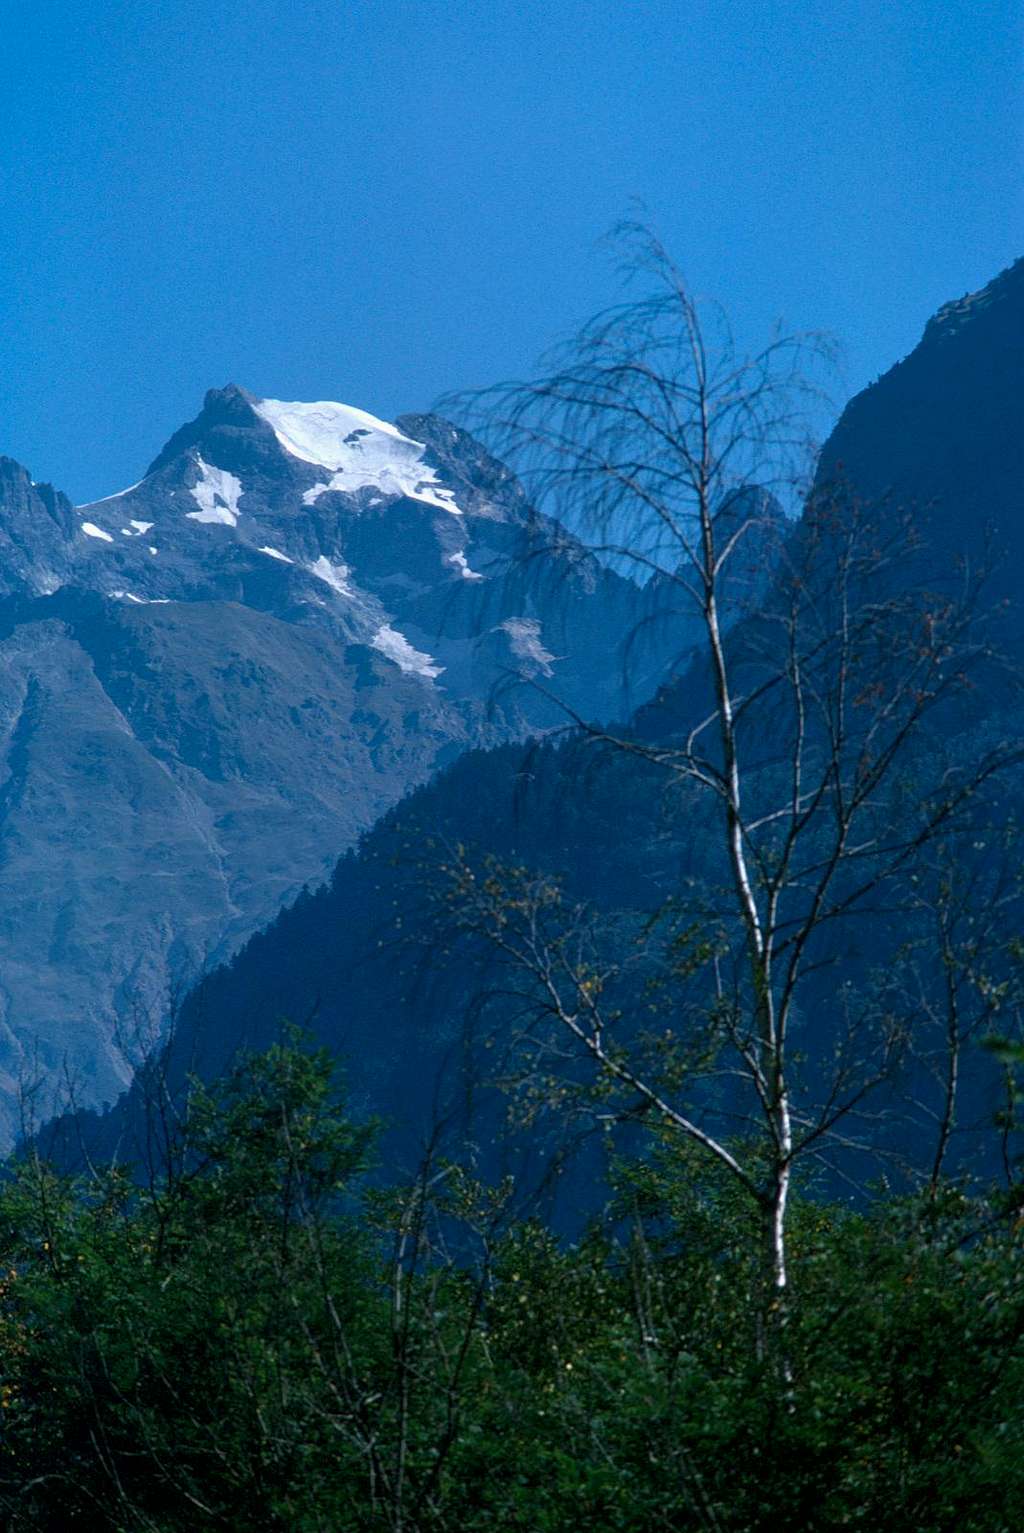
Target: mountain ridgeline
940, 436
214, 681
369, 962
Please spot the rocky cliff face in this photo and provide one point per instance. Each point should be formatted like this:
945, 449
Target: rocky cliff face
941, 436
211, 683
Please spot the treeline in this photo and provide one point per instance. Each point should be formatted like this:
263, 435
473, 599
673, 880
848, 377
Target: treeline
264, 1336
740, 957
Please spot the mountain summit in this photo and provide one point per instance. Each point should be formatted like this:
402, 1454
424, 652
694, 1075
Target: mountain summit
213, 681
406, 546
939, 435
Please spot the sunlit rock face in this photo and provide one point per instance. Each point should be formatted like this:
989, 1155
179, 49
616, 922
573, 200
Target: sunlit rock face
213, 681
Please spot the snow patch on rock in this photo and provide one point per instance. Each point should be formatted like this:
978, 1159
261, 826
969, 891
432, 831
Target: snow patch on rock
275, 553
92, 531
361, 451
216, 493
524, 637
334, 575
105, 499
388, 641
458, 561
383, 638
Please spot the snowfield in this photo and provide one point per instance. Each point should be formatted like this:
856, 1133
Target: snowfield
361, 451
216, 494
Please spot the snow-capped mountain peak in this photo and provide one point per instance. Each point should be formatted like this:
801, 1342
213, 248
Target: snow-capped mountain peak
361, 451
212, 682
394, 537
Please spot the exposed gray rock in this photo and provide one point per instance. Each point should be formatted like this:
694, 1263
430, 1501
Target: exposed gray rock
211, 683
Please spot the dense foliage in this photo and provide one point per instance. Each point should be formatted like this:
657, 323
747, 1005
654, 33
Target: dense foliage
264, 1338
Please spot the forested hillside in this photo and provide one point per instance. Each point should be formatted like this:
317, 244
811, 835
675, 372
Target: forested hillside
373, 963
678, 1176
260, 1339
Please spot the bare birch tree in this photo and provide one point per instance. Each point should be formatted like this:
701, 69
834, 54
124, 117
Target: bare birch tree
798, 743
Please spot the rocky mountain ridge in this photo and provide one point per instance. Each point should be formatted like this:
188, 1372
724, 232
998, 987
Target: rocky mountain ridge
939, 435
213, 681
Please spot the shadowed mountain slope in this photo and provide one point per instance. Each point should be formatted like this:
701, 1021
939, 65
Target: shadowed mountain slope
365, 959
941, 435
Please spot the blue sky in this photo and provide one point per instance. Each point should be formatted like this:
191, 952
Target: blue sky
378, 201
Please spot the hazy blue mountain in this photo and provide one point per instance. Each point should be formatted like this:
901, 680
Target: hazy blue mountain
211, 682
941, 435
